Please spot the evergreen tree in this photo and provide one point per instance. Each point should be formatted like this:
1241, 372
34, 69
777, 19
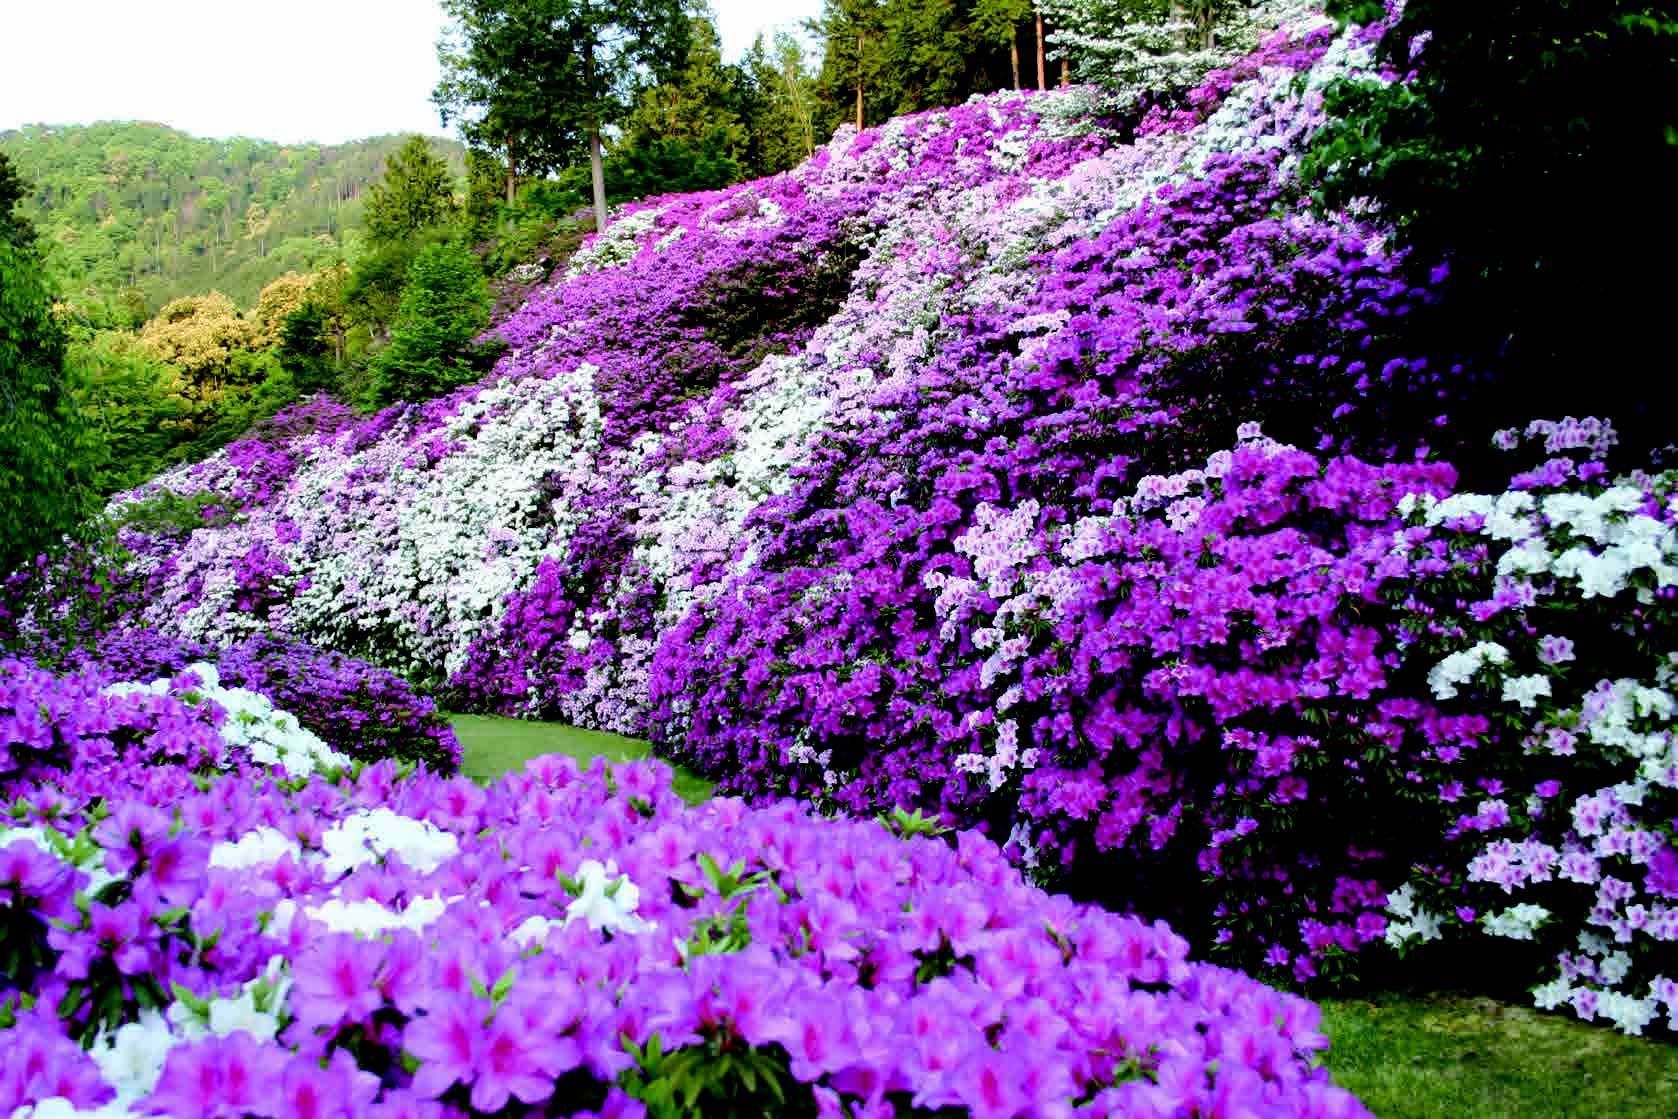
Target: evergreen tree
883, 58
853, 61
14, 228
540, 79
305, 348
373, 290
1512, 154
416, 193
445, 306
685, 133
779, 106
484, 179
45, 447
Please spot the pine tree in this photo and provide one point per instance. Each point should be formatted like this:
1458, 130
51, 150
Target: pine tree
541, 79
417, 193
445, 306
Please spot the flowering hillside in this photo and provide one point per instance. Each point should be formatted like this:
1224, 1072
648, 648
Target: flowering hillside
1070, 477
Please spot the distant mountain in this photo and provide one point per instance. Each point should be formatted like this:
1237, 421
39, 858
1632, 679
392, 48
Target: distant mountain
141, 206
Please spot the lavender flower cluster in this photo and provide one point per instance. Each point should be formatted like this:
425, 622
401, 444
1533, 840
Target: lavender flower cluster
362, 942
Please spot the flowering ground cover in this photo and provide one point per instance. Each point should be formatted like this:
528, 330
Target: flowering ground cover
1405, 1055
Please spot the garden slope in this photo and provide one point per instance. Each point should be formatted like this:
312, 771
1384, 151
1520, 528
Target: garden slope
534, 537
1078, 482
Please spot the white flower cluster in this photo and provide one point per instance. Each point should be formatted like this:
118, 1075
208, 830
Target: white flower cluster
1636, 719
435, 555
1516, 922
373, 834
1461, 667
1415, 922
365, 917
620, 241
1135, 53
1576, 546
131, 1058
1598, 542
1629, 1013
605, 900
262, 847
271, 736
1525, 691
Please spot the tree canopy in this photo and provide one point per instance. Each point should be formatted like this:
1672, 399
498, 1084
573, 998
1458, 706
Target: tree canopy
133, 215
538, 79
43, 440
1510, 155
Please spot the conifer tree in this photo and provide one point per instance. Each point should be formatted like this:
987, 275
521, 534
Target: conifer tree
539, 80
445, 306
417, 192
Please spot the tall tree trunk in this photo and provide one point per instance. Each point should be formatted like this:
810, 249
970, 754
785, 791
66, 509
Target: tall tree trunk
512, 175
1014, 55
596, 166
1042, 60
859, 81
597, 172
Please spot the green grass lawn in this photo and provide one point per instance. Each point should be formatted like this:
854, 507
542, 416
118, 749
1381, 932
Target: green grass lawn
1406, 1056
1461, 1057
493, 746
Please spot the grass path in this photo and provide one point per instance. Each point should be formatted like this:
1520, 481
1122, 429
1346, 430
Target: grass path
1461, 1057
1406, 1057
493, 746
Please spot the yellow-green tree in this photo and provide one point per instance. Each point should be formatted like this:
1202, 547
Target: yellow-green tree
279, 299
199, 335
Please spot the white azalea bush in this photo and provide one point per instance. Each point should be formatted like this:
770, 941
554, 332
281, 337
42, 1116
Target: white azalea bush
1561, 627
253, 726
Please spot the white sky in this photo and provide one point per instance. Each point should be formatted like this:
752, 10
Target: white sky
293, 71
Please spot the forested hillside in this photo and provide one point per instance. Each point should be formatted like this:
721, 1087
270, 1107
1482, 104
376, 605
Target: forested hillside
138, 212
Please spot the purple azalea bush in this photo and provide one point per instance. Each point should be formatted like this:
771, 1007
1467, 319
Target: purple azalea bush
185, 930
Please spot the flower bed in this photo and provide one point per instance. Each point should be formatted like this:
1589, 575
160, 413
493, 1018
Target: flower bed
360, 710
576, 942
